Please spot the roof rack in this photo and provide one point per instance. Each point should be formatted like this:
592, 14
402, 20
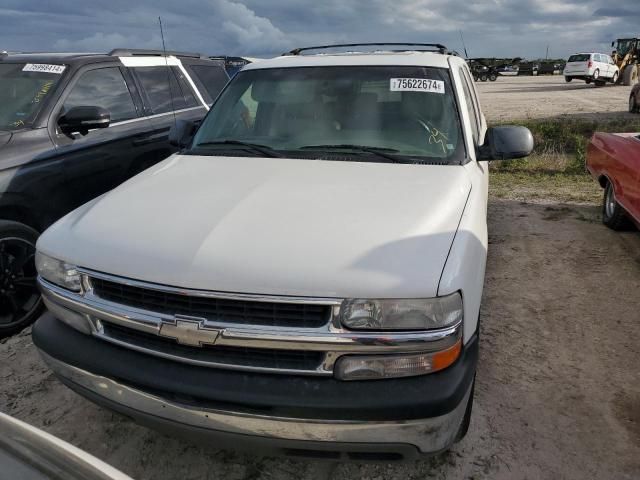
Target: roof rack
433, 47
129, 52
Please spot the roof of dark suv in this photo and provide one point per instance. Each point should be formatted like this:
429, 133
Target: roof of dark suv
72, 58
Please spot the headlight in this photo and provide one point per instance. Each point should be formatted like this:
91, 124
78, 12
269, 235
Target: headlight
378, 367
58, 272
403, 314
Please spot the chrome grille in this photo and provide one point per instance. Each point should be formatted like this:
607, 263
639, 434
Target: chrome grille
217, 355
240, 312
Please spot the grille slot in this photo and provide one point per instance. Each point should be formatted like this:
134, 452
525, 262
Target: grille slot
241, 312
224, 355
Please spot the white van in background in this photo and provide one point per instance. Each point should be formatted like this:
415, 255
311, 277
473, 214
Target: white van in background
591, 67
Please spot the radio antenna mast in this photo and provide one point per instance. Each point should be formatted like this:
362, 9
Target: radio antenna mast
463, 45
166, 61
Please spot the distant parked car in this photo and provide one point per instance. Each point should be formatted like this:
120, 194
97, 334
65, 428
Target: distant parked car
74, 126
591, 67
234, 64
482, 72
528, 68
508, 70
614, 161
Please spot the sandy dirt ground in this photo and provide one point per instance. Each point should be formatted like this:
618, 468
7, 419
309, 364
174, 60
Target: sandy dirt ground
548, 96
558, 386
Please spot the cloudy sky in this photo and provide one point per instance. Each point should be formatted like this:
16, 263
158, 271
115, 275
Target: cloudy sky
503, 28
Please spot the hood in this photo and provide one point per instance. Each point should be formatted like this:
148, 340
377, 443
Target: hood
272, 226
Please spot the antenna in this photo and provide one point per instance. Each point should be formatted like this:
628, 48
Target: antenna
166, 61
463, 45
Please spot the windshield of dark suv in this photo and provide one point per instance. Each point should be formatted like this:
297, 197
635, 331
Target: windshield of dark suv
23, 89
364, 113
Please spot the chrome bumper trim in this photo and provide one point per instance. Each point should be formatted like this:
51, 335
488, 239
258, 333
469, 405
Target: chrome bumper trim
428, 435
331, 339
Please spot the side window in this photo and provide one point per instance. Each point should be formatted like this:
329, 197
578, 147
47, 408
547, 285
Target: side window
471, 106
187, 92
161, 88
213, 78
106, 88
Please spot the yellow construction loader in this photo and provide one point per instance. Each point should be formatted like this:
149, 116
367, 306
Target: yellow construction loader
626, 54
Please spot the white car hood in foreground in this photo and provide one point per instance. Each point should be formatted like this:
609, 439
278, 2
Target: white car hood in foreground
272, 226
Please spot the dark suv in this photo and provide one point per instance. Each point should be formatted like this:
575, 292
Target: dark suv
74, 126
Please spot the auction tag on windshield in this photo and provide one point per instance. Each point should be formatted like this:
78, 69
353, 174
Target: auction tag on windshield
416, 85
44, 68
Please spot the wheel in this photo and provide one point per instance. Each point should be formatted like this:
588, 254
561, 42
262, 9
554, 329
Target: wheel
483, 77
630, 75
493, 77
475, 79
596, 75
466, 420
614, 79
20, 302
613, 215
633, 106
567, 79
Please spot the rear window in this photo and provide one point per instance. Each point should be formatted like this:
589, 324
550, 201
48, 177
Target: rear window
213, 78
165, 88
580, 58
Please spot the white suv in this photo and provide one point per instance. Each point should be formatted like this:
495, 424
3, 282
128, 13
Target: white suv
305, 275
591, 67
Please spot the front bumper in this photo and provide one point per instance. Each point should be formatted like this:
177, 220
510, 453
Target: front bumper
323, 417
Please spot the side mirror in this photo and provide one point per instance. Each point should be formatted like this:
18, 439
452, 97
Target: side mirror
83, 119
181, 134
505, 143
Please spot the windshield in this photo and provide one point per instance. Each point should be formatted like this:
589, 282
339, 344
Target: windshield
23, 89
407, 113
624, 46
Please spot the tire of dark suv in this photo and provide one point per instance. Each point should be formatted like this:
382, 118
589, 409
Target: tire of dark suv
20, 301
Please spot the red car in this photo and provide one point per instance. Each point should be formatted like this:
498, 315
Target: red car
614, 160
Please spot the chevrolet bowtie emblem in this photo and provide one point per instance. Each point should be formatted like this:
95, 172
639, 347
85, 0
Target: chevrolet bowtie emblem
189, 331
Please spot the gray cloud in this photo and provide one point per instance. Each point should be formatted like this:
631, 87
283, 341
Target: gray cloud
261, 28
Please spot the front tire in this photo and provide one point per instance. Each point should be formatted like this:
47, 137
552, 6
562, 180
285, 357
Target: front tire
613, 215
483, 77
493, 77
614, 79
20, 302
630, 75
633, 105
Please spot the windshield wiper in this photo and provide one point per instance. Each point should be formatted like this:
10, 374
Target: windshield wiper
381, 152
263, 149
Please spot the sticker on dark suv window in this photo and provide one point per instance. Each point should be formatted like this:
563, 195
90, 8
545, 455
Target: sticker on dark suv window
44, 68
416, 85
